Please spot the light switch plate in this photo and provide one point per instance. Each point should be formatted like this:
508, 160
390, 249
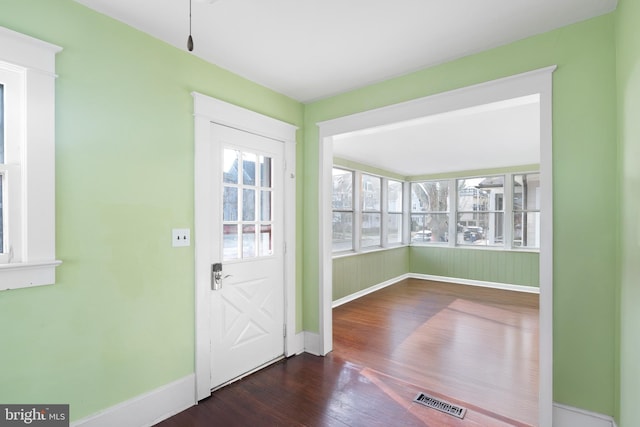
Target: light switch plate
181, 237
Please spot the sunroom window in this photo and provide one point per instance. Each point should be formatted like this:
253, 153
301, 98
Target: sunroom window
343, 210
480, 211
526, 210
430, 212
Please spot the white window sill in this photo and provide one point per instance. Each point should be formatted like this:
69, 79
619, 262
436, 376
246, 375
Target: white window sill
474, 247
369, 250
25, 275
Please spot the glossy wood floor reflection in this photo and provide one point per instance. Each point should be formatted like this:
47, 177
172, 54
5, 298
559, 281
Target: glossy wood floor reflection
474, 347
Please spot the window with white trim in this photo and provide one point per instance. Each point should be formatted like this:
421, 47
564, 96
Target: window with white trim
343, 210
526, 210
394, 213
493, 211
480, 211
368, 211
430, 211
27, 161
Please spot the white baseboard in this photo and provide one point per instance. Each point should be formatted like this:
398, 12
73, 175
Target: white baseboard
483, 284
146, 409
369, 290
567, 416
312, 343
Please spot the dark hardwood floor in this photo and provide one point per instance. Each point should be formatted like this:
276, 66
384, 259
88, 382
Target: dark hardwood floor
473, 347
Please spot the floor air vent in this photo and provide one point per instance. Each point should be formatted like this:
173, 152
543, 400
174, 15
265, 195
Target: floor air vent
440, 405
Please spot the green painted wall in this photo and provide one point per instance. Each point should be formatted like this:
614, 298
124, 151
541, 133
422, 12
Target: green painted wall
354, 273
120, 320
628, 67
585, 179
515, 268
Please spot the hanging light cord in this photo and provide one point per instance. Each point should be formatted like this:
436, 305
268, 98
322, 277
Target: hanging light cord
190, 39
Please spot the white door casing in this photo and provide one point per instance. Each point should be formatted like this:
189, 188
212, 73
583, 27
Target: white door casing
208, 111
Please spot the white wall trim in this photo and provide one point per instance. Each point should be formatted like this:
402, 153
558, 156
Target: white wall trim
534, 82
468, 282
208, 110
146, 409
479, 283
296, 344
568, 416
312, 343
369, 290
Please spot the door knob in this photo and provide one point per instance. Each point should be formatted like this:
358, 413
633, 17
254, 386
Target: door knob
216, 276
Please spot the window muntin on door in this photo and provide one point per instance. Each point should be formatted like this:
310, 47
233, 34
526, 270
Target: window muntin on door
247, 218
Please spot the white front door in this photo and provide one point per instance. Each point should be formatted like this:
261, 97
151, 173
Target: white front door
247, 302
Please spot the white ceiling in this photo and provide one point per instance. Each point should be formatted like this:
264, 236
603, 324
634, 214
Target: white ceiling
495, 135
312, 49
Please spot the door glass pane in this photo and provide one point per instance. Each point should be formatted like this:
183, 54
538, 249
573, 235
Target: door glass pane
248, 205
265, 205
249, 161
230, 167
266, 240
230, 241
248, 241
265, 171
230, 204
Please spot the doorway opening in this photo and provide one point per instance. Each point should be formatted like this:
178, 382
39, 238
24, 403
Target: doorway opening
538, 82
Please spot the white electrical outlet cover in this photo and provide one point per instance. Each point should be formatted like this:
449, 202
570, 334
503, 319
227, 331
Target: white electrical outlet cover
181, 237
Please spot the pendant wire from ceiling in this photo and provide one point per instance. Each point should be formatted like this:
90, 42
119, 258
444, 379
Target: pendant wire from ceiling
190, 39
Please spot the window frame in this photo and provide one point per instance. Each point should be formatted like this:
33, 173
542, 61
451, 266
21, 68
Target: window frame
358, 211
363, 210
507, 212
478, 211
387, 212
425, 213
523, 211
28, 71
351, 211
